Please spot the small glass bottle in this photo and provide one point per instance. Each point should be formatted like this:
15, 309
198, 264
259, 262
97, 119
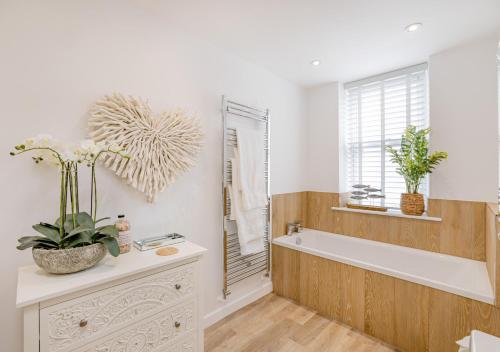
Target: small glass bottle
124, 239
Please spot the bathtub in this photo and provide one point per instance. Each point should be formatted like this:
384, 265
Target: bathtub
461, 276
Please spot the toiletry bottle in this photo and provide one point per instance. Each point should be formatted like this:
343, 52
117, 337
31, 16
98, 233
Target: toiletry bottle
124, 239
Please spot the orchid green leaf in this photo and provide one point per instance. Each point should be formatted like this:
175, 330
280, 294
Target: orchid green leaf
112, 245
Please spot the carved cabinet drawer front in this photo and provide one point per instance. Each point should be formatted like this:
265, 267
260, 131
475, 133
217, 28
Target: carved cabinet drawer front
81, 320
173, 330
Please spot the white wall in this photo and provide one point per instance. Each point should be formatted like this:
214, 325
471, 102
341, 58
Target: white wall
463, 116
323, 136
58, 57
464, 121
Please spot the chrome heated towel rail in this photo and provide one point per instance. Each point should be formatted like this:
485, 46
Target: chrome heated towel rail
236, 266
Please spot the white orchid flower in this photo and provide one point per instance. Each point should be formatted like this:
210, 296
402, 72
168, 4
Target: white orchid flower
68, 155
44, 141
48, 157
115, 148
47, 149
89, 146
29, 142
102, 145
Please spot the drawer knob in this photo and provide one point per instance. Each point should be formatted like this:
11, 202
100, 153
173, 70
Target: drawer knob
177, 286
83, 323
177, 324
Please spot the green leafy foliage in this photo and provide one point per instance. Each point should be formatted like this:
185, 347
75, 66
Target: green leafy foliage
413, 159
81, 232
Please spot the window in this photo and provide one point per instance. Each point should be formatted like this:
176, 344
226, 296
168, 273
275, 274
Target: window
378, 109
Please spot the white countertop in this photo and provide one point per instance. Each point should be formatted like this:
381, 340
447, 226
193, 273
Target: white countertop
35, 285
482, 342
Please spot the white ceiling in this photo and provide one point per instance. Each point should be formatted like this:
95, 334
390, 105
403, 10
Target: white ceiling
352, 38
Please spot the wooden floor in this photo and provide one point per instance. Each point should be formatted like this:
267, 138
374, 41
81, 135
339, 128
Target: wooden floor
276, 324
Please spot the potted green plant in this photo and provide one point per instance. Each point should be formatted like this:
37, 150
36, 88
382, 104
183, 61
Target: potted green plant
414, 162
73, 242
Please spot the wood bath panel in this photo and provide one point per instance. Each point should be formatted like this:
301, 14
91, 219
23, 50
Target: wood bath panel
409, 316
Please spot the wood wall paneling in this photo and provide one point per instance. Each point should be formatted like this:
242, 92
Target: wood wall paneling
318, 210
449, 320
404, 232
286, 272
490, 241
309, 280
341, 293
461, 232
414, 233
409, 316
497, 266
346, 224
485, 317
493, 248
352, 296
287, 208
380, 306
329, 298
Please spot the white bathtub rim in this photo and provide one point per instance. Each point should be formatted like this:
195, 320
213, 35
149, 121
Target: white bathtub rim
490, 299
380, 244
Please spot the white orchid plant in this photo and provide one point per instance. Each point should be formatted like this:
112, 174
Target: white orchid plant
76, 228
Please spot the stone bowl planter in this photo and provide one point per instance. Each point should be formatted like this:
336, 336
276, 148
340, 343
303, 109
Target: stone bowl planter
71, 260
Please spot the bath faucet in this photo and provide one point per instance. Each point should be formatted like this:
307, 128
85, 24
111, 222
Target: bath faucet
292, 228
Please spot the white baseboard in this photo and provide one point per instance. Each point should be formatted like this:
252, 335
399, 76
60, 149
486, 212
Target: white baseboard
236, 304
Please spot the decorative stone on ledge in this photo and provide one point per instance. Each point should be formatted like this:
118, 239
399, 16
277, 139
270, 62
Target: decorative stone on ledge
390, 212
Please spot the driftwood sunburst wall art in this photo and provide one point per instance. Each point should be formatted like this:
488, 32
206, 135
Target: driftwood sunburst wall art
161, 146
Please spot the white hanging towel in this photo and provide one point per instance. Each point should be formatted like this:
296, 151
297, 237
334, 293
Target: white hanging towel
250, 222
251, 166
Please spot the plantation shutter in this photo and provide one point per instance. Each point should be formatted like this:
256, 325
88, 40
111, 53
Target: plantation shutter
378, 109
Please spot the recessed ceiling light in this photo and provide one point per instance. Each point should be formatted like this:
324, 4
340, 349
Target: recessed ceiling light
315, 62
413, 27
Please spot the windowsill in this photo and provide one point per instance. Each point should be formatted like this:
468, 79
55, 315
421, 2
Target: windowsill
390, 212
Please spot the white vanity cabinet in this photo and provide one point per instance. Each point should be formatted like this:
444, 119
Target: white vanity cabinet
137, 302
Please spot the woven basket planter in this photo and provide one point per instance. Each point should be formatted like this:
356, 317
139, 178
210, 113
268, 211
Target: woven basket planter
412, 203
